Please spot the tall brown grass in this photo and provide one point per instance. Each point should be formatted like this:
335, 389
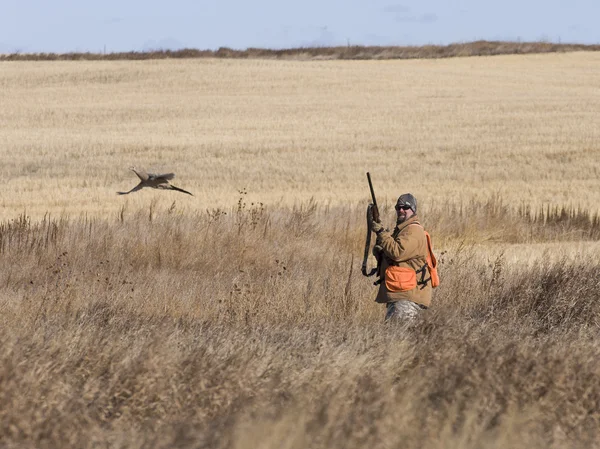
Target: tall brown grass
252, 327
243, 321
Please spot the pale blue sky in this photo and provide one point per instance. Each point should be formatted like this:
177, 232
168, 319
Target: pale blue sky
134, 25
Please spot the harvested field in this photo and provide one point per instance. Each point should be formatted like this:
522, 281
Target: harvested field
238, 318
521, 127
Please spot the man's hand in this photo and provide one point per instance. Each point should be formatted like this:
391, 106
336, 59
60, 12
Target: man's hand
377, 227
373, 225
377, 251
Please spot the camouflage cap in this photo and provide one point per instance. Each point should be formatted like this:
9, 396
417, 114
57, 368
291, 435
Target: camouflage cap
407, 199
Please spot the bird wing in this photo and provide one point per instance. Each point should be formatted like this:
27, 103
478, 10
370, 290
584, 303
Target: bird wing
135, 189
141, 173
167, 176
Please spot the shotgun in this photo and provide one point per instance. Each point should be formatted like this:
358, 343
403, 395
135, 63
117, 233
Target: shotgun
375, 208
375, 211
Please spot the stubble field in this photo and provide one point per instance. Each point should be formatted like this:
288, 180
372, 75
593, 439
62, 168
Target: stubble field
238, 317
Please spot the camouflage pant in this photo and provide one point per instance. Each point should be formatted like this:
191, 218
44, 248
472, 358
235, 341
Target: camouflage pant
402, 311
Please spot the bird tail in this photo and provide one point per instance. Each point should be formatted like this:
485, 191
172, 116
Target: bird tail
172, 187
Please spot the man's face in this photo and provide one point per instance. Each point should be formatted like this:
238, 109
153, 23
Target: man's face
403, 213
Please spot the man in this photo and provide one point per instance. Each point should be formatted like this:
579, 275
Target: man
405, 285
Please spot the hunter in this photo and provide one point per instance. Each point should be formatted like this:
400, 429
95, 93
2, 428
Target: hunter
405, 277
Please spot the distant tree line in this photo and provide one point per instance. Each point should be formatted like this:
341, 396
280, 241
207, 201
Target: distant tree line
356, 52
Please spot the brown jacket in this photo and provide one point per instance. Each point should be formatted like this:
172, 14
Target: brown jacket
405, 247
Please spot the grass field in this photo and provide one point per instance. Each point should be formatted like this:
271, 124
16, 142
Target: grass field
522, 127
238, 318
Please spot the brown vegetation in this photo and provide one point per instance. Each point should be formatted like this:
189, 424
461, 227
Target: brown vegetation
477, 48
520, 127
141, 322
253, 327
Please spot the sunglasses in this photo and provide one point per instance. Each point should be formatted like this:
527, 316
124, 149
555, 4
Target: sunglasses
402, 207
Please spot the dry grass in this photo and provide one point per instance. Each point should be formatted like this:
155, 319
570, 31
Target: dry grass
253, 327
522, 127
238, 317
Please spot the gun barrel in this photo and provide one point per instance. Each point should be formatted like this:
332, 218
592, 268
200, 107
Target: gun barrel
371, 188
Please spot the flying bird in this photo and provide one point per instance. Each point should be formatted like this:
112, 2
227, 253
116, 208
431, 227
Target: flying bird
154, 181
